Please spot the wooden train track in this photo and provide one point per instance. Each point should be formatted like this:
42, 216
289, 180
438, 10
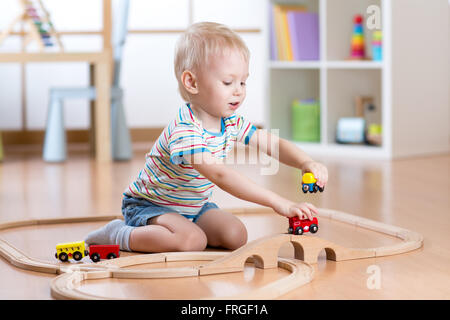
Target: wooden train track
263, 252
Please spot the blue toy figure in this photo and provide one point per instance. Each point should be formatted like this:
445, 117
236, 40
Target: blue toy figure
309, 183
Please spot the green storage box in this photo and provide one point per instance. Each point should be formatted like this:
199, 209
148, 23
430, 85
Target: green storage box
306, 120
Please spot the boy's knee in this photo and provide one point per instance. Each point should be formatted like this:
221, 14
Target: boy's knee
235, 236
193, 241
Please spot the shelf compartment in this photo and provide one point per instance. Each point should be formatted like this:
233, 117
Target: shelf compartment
286, 85
339, 27
343, 86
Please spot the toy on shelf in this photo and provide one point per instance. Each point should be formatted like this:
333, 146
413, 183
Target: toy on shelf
309, 183
374, 134
306, 120
72, 250
377, 52
97, 252
357, 44
37, 19
363, 104
366, 121
351, 130
299, 226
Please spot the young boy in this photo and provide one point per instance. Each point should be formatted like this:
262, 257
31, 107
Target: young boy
167, 207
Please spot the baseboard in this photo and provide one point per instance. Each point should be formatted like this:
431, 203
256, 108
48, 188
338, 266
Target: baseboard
36, 137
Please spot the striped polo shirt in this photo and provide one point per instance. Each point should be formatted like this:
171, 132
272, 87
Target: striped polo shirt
168, 179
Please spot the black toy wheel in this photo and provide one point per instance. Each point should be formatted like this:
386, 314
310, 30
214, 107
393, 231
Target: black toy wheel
290, 230
313, 228
316, 188
305, 188
321, 189
95, 257
63, 257
299, 231
77, 256
111, 256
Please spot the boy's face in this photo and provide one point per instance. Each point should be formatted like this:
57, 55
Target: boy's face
221, 83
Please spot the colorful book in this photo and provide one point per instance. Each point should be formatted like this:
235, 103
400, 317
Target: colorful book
304, 35
291, 17
281, 46
273, 37
286, 37
281, 25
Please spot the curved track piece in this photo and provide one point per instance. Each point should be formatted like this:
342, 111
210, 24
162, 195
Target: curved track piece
66, 285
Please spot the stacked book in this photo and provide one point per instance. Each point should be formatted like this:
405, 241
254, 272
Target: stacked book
294, 33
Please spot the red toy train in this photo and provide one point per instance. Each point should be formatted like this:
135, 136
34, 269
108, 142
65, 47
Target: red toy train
77, 250
298, 226
97, 252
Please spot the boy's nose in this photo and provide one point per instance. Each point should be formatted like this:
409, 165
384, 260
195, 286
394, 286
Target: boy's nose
238, 90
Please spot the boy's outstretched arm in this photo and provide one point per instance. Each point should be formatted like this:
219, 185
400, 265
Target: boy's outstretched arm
243, 188
288, 153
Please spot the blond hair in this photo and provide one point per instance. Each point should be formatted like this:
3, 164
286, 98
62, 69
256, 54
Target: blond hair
201, 41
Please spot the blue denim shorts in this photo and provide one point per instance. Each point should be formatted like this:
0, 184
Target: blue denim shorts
137, 211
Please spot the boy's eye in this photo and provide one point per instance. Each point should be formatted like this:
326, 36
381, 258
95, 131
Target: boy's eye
243, 84
227, 83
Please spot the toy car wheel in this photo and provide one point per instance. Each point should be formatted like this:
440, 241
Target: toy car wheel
313, 228
111, 256
63, 257
95, 257
290, 230
299, 231
305, 188
77, 255
321, 189
316, 188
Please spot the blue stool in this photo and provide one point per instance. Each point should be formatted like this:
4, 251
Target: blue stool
55, 149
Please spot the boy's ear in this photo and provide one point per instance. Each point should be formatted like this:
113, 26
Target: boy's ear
189, 82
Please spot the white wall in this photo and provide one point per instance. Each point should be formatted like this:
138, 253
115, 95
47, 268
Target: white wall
420, 92
151, 96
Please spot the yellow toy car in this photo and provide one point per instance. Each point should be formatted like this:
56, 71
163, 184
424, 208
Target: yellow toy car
74, 250
309, 183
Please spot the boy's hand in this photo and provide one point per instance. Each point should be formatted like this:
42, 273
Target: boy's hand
319, 171
291, 209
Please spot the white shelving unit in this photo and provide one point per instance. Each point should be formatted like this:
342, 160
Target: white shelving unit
333, 80
410, 86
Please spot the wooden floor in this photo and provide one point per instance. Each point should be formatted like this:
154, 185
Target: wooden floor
409, 193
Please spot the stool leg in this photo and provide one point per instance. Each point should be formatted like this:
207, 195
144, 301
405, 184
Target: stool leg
55, 135
1, 147
120, 135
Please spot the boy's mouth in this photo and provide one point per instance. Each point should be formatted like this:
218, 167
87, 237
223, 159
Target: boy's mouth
234, 105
